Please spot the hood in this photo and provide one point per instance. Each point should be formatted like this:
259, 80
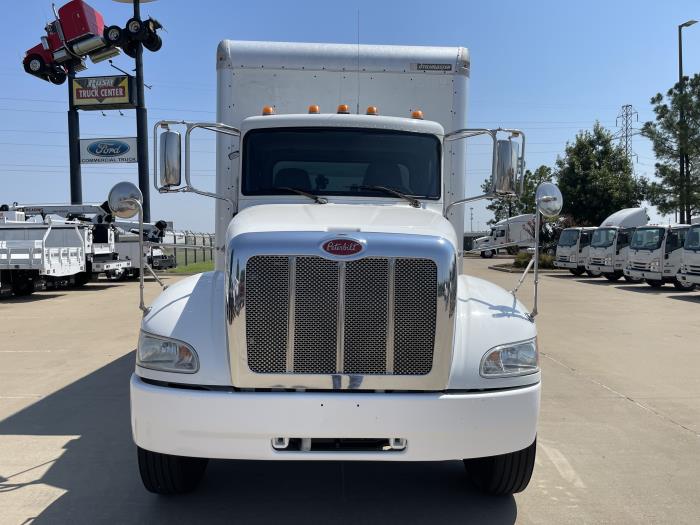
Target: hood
342, 218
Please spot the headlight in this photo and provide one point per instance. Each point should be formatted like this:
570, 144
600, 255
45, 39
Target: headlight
572, 258
168, 355
654, 265
608, 261
516, 359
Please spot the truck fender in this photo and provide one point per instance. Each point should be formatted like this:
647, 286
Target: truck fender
486, 316
193, 311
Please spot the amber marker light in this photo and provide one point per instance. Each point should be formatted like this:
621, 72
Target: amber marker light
344, 109
372, 110
268, 110
417, 113
314, 109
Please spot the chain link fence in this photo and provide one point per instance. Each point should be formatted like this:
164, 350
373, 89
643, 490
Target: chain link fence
184, 256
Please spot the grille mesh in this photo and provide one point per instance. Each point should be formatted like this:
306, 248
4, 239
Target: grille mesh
316, 316
318, 287
366, 302
267, 303
414, 316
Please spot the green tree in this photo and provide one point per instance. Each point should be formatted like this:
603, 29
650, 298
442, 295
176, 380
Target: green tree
595, 177
504, 206
666, 133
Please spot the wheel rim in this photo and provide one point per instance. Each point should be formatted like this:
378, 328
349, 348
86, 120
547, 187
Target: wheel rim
35, 64
134, 27
113, 34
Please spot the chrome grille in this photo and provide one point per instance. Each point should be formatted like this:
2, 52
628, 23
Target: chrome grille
563, 258
597, 260
640, 266
695, 270
370, 316
366, 316
315, 315
267, 281
414, 316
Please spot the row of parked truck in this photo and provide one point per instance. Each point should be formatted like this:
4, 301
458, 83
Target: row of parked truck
626, 246
53, 245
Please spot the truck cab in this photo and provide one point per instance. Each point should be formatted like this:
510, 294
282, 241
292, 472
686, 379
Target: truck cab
572, 250
339, 323
690, 259
655, 255
610, 243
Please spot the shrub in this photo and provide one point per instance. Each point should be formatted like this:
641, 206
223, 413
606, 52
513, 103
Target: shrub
523, 258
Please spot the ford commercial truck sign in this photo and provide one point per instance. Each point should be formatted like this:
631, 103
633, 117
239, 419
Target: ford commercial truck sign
107, 151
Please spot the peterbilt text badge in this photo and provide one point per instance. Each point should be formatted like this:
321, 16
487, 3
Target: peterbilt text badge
342, 247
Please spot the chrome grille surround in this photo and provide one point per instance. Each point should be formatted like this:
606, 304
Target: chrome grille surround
644, 266
366, 325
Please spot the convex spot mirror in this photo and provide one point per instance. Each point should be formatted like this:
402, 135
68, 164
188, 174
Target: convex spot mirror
549, 199
506, 176
170, 156
124, 200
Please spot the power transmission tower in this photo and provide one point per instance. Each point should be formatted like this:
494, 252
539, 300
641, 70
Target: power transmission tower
624, 121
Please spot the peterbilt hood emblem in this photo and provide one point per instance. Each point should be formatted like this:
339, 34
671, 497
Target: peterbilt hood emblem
342, 247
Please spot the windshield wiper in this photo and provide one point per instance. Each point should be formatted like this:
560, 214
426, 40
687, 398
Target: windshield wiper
315, 198
412, 200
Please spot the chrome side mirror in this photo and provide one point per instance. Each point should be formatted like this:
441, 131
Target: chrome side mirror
505, 176
170, 160
125, 200
549, 199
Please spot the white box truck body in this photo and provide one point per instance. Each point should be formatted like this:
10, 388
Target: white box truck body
655, 255
610, 242
338, 324
515, 232
690, 258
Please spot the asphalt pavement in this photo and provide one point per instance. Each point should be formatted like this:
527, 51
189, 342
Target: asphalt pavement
619, 436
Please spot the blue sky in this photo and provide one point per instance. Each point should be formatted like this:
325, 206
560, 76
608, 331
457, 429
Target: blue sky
549, 68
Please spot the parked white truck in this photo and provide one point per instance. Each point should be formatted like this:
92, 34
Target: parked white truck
33, 253
610, 243
572, 250
513, 233
338, 324
690, 259
655, 255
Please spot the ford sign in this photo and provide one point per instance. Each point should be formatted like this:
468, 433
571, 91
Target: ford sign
107, 150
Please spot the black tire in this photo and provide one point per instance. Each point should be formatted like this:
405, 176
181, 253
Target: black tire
590, 273
153, 42
505, 474
488, 254
576, 271
654, 284
135, 28
129, 49
35, 65
166, 474
680, 285
22, 287
612, 276
57, 77
81, 279
631, 279
114, 35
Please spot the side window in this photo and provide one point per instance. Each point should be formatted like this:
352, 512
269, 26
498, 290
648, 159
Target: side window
623, 239
500, 233
672, 242
585, 239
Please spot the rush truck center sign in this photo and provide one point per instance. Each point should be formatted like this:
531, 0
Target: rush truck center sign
113, 92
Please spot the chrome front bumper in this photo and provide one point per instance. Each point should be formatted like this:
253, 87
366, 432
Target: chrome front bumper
643, 274
241, 425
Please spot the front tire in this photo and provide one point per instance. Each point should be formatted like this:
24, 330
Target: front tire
591, 273
613, 276
487, 254
684, 287
167, 474
654, 284
631, 279
576, 271
505, 474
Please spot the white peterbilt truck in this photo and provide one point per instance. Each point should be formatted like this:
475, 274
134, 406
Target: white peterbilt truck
338, 324
610, 243
515, 232
690, 259
655, 255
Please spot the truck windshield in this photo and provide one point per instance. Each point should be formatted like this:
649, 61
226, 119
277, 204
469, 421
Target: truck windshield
568, 238
692, 240
340, 161
603, 237
647, 239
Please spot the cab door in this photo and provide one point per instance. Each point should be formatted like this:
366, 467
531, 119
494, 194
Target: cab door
673, 252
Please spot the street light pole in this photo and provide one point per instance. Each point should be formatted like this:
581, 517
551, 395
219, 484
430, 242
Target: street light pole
681, 128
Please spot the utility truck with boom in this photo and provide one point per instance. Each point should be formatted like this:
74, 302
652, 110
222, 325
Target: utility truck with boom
610, 243
338, 324
655, 255
512, 234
